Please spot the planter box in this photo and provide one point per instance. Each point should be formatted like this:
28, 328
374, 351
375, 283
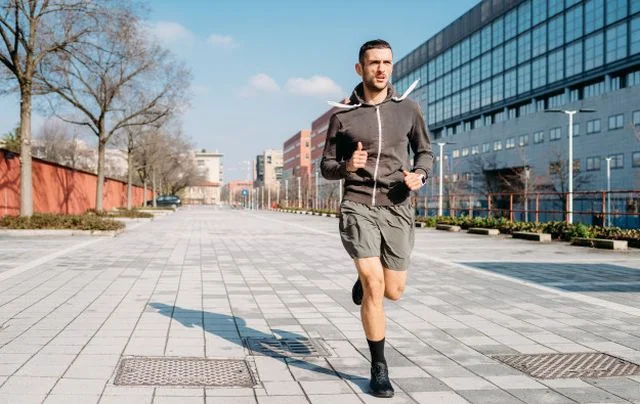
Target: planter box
525, 235
448, 227
601, 243
486, 232
421, 224
58, 232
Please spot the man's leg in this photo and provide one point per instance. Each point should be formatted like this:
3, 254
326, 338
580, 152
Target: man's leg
372, 310
394, 283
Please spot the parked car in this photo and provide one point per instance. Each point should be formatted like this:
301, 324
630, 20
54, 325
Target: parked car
166, 200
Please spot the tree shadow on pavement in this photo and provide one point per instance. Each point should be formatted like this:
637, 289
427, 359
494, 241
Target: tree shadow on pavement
234, 329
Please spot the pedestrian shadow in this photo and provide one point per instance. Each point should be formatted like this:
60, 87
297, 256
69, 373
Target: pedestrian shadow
231, 328
581, 277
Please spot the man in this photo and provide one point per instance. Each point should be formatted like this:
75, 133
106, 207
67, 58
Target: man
367, 146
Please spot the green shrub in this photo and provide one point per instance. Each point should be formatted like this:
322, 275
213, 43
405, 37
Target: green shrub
133, 213
89, 221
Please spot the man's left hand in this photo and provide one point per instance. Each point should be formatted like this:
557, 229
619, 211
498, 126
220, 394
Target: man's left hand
412, 180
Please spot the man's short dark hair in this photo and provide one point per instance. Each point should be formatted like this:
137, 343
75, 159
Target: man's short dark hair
375, 44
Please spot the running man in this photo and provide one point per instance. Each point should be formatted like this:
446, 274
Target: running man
368, 145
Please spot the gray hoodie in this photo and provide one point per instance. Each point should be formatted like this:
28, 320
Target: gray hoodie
386, 131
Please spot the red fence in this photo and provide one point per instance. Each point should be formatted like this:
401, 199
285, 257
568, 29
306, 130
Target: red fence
59, 189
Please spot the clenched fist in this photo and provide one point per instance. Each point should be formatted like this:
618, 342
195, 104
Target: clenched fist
358, 159
412, 180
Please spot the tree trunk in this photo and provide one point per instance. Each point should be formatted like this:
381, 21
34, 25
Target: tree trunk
153, 187
144, 187
102, 144
26, 172
129, 179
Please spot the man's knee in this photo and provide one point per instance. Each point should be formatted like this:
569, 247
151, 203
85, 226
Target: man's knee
373, 287
394, 292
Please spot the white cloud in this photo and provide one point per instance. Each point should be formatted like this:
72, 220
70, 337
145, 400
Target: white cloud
260, 83
222, 41
169, 32
314, 86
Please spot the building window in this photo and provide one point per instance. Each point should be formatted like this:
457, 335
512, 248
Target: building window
617, 161
510, 143
593, 90
539, 72
485, 70
636, 118
510, 54
486, 38
555, 134
524, 16
524, 78
486, 147
556, 32
593, 163
510, 24
635, 6
497, 88
497, 145
475, 150
616, 10
510, 84
524, 47
465, 152
616, 42
635, 35
538, 137
593, 126
539, 40
524, 140
465, 74
635, 159
616, 121
574, 23
573, 59
576, 129
465, 51
455, 154
497, 58
593, 51
455, 81
555, 66
475, 97
539, 11
593, 15
486, 93
498, 32
475, 45
555, 6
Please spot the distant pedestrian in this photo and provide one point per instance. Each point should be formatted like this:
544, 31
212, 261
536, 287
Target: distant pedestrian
368, 145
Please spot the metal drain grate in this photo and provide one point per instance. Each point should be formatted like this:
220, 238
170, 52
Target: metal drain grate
183, 372
286, 347
569, 365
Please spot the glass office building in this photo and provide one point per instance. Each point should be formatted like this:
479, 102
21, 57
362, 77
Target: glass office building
486, 79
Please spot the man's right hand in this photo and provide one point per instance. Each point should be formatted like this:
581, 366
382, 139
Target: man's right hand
358, 159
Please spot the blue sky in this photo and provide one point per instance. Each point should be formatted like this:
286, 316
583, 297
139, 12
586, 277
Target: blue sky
262, 70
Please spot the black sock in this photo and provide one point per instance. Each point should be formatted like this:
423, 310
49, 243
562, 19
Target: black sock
377, 351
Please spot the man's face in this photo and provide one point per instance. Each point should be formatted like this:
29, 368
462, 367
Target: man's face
376, 69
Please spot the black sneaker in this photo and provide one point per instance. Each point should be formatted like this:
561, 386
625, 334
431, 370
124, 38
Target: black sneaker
357, 292
380, 384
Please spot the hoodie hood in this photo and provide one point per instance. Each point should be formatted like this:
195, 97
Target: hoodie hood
357, 96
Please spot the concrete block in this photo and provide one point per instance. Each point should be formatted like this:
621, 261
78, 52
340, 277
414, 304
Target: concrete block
486, 232
606, 244
525, 235
448, 227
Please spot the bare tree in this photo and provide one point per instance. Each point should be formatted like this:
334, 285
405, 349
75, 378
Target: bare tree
558, 178
118, 79
31, 31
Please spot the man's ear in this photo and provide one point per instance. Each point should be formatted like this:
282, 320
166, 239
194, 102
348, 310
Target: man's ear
359, 69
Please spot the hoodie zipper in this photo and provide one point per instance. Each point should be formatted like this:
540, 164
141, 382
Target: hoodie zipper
375, 171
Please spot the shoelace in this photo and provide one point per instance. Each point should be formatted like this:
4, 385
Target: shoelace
381, 373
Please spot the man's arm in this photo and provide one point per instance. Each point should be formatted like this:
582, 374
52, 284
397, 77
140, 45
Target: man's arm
333, 164
421, 145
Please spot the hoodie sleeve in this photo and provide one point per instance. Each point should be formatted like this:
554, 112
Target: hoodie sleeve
421, 144
334, 164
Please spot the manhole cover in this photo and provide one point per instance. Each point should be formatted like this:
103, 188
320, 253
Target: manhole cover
183, 372
286, 347
570, 365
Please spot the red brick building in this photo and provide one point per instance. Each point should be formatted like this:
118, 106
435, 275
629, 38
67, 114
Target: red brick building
297, 164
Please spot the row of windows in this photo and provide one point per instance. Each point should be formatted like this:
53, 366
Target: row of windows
581, 18
479, 84
593, 126
595, 163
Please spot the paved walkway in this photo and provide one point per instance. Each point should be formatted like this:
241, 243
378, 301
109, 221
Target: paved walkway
194, 283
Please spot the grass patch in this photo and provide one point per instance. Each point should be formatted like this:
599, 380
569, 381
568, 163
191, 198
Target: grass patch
39, 221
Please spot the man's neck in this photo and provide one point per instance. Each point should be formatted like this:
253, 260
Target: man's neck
375, 97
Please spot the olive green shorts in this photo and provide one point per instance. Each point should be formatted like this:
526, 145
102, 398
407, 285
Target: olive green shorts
387, 232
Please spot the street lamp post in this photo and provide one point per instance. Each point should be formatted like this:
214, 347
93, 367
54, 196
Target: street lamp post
571, 113
609, 191
317, 197
286, 192
441, 144
299, 194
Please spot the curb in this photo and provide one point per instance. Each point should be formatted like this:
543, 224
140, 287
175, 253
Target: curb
59, 232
